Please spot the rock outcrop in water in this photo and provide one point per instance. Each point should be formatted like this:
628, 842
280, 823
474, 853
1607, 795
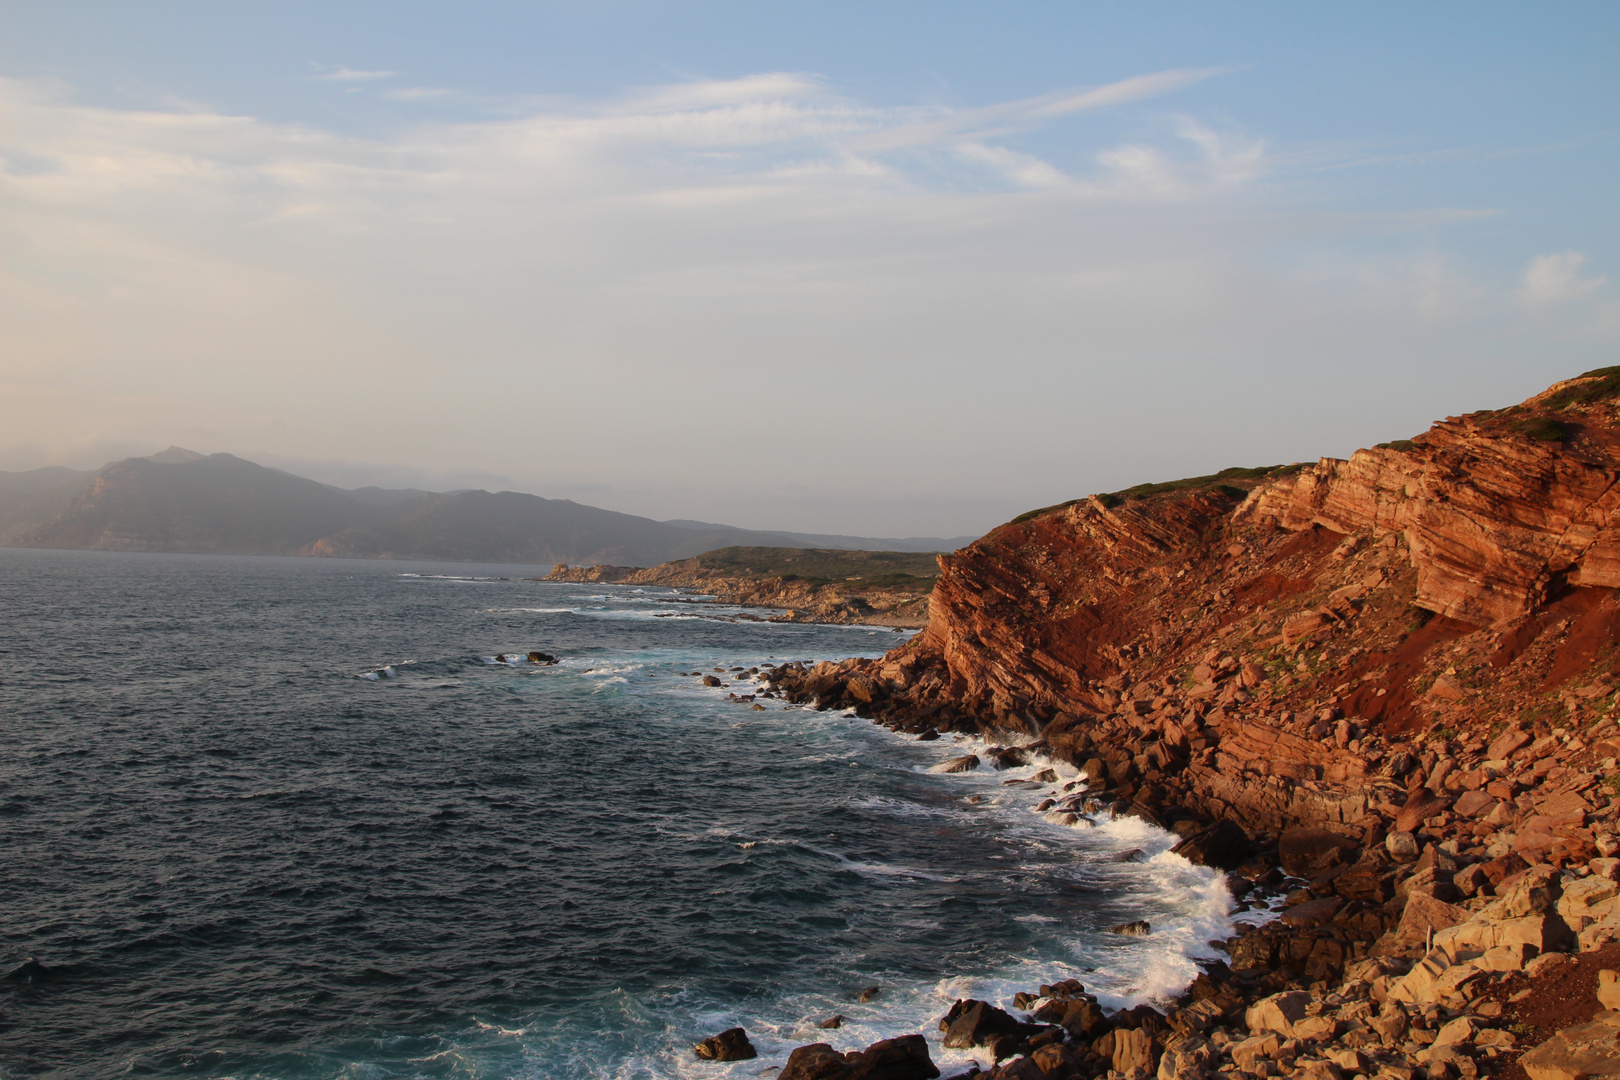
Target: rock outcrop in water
1388, 681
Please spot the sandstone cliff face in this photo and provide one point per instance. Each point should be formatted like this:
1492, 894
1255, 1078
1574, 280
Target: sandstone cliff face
1495, 519
1275, 648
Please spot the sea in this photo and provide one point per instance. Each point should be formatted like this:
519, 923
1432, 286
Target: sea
296, 819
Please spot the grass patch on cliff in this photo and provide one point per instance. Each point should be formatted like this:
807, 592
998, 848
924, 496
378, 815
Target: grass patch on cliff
818, 566
1027, 514
1605, 385
1541, 429
1221, 481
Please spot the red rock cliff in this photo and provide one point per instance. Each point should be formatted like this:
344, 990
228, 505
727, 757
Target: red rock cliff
1293, 646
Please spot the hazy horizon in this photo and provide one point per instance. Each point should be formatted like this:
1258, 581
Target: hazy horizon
895, 271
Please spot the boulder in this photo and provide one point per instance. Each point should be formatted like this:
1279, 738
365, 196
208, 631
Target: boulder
1185, 1057
1277, 1013
1223, 845
966, 763
1458, 1031
1434, 979
1081, 1017
1576, 1053
1306, 852
1503, 746
1316, 1028
1320, 1069
1139, 928
1608, 991
1257, 1048
1312, 913
818, 1061
904, 1058
1402, 846
1135, 1048
1421, 805
730, 1045
1422, 916
1506, 957
973, 1023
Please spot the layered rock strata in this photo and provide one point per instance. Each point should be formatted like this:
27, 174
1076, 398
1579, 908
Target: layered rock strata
1284, 650
1385, 686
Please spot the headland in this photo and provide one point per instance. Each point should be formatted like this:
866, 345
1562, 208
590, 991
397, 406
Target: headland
1384, 685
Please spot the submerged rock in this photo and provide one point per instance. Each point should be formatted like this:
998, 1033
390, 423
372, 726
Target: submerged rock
1139, 928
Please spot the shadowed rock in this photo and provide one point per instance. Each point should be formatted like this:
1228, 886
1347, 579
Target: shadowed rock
730, 1045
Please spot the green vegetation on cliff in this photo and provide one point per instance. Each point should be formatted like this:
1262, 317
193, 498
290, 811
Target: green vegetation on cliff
815, 566
1221, 480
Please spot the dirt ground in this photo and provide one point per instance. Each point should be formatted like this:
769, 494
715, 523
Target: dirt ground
1559, 997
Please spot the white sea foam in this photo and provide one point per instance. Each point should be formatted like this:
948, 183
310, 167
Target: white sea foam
1186, 905
873, 869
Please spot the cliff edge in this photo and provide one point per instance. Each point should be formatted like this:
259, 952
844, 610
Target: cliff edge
1301, 645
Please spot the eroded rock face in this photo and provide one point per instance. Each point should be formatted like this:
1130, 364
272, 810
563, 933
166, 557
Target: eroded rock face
1493, 518
1262, 650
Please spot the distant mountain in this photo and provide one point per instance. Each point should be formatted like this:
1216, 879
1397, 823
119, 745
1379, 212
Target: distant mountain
180, 501
29, 498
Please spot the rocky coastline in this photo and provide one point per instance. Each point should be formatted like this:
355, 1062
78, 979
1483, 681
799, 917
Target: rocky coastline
854, 601
1383, 688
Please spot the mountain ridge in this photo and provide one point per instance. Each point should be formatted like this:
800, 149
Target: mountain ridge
181, 501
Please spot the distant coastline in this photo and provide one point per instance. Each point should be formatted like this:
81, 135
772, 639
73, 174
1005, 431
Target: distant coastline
857, 588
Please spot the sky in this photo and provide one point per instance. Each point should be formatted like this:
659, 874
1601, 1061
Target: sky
890, 269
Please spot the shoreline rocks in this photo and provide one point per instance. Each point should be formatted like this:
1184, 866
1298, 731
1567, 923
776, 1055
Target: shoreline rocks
1384, 687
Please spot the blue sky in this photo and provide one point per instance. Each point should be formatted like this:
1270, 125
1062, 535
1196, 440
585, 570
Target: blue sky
880, 268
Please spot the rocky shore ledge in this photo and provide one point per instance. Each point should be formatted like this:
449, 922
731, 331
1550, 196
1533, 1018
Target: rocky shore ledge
866, 588
1384, 686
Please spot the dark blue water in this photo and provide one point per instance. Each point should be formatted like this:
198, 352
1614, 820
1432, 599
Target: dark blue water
241, 848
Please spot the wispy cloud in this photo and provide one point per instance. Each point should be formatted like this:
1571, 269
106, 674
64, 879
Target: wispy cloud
350, 75
421, 93
730, 257
1007, 117
1550, 280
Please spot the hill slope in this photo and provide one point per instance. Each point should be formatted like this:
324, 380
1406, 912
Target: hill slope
180, 501
38, 495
